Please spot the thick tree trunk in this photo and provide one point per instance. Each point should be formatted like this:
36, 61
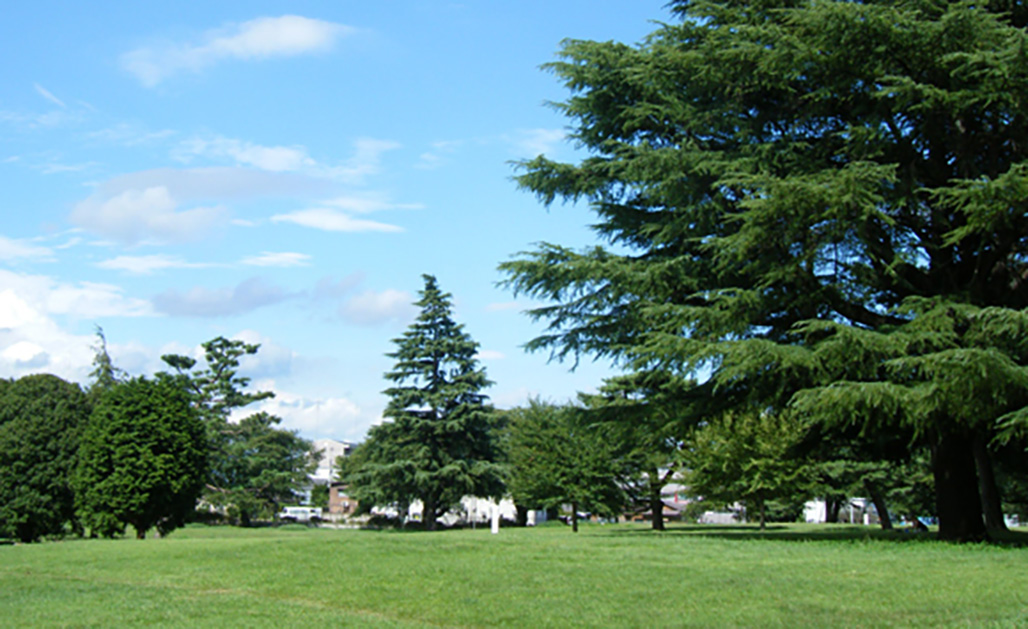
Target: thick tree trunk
992, 503
763, 515
656, 508
878, 498
957, 499
574, 517
833, 504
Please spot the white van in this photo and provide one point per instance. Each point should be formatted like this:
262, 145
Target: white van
300, 514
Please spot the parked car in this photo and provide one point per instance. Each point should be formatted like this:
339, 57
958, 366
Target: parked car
300, 514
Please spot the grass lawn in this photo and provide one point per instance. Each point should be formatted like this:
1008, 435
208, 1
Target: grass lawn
606, 576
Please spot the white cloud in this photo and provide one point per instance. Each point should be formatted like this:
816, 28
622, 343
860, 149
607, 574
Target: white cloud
85, 300
270, 361
370, 202
144, 265
270, 158
333, 417
45, 93
221, 183
373, 308
145, 214
532, 142
248, 295
279, 259
129, 134
31, 339
366, 160
327, 219
261, 38
11, 249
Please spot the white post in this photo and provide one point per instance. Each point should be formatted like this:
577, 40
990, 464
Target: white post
496, 519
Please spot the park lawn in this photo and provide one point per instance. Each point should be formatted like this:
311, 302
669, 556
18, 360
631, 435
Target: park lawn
609, 576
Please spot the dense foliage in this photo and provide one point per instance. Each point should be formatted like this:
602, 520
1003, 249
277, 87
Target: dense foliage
555, 457
436, 446
819, 205
41, 420
254, 466
142, 461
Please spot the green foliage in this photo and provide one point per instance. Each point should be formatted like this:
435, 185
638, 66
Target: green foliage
795, 196
556, 457
142, 459
748, 458
437, 446
254, 466
104, 374
41, 421
648, 415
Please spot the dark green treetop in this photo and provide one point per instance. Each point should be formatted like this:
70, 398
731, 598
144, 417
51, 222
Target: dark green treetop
437, 446
41, 421
142, 461
773, 175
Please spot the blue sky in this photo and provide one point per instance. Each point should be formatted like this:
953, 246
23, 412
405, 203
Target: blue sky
282, 173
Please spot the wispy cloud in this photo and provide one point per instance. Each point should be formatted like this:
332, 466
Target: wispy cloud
144, 265
261, 38
270, 158
45, 93
247, 296
147, 214
532, 142
279, 259
374, 308
327, 219
12, 249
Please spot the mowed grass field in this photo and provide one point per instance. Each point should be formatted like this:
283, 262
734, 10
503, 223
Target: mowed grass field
605, 576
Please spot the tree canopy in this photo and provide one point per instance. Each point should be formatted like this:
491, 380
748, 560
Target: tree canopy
142, 461
41, 421
555, 456
826, 198
254, 466
436, 446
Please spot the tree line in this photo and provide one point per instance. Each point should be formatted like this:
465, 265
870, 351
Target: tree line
813, 225
142, 452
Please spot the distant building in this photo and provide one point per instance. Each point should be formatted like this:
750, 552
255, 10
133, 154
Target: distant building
331, 450
339, 503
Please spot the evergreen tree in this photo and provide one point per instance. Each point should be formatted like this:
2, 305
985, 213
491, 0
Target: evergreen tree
437, 446
142, 461
253, 465
41, 421
799, 195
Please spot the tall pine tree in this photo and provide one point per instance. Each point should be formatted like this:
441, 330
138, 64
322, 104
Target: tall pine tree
437, 448
797, 193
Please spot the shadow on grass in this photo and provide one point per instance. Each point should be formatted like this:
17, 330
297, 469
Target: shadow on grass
806, 533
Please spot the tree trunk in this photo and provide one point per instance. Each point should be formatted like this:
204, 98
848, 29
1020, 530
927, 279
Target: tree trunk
656, 508
992, 503
574, 517
522, 515
763, 514
832, 506
428, 507
957, 500
878, 499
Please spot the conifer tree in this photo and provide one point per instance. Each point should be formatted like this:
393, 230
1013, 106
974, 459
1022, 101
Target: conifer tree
798, 194
437, 446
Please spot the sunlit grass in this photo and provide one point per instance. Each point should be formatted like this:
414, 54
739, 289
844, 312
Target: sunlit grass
610, 576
